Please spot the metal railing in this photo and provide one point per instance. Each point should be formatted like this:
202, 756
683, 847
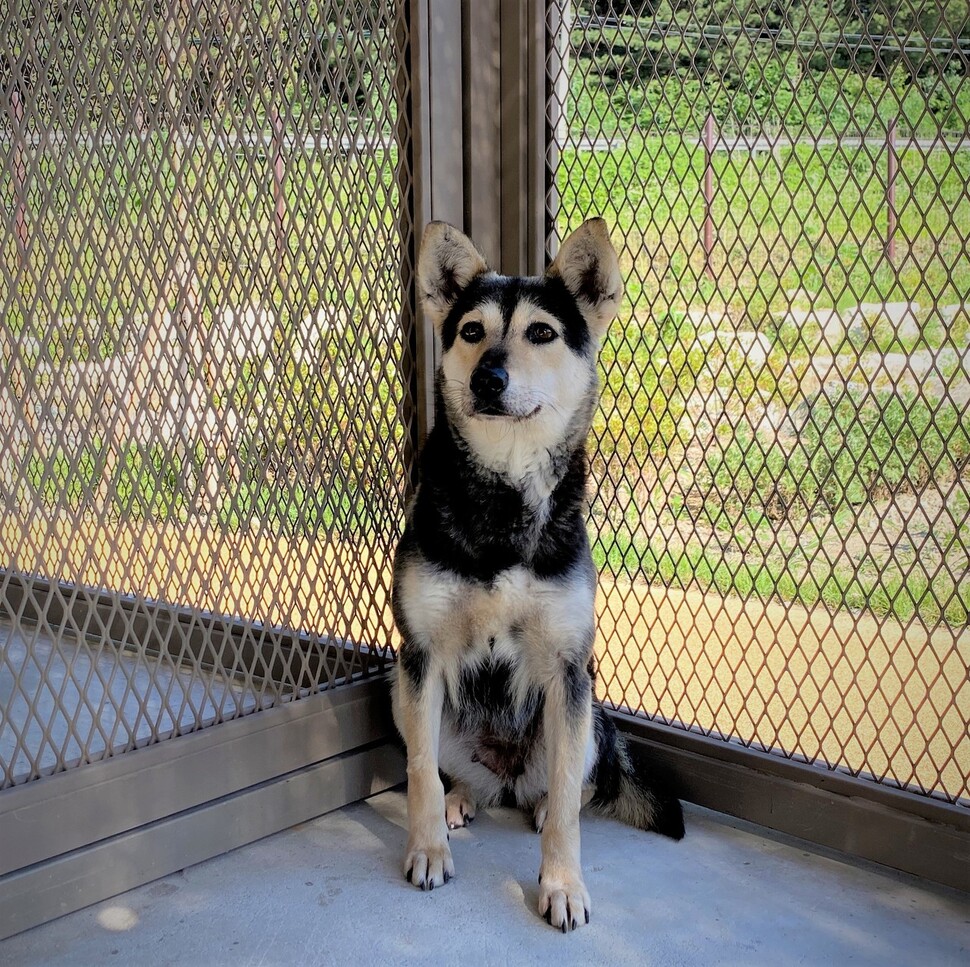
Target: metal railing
782, 501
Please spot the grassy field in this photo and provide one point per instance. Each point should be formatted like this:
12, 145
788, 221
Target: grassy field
802, 228
803, 220
725, 460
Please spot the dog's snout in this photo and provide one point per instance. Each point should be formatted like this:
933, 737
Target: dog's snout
489, 380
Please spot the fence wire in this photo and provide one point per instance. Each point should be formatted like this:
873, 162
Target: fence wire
782, 493
204, 403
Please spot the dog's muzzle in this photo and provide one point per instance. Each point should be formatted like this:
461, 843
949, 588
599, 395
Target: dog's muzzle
489, 381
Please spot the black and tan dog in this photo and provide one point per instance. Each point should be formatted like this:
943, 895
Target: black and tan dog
493, 579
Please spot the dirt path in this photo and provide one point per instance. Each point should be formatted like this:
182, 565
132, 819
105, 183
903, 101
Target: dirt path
870, 694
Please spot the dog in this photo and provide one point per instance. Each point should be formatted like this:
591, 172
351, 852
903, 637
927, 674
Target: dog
493, 580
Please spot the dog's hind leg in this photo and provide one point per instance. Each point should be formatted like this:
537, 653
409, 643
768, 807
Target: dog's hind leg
541, 809
459, 806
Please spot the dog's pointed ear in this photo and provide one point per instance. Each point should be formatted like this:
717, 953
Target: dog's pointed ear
587, 263
447, 262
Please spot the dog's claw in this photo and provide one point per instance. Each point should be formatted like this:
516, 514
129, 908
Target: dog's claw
429, 867
459, 808
561, 897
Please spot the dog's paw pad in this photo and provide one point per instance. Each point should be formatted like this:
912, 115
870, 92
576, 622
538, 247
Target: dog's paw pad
459, 809
564, 904
430, 866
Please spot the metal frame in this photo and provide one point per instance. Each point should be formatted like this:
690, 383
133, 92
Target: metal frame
93, 829
858, 814
913, 834
505, 132
178, 803
206, 637
435, 144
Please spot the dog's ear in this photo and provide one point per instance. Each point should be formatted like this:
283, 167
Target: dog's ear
587, 263
447, 262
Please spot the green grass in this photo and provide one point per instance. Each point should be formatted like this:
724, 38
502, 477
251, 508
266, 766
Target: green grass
849, 451
805, 521
157, 483
105, 235
802, 227
805, 221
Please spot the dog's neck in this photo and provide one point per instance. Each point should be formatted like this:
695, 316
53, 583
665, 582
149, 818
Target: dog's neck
513, 454
520, 507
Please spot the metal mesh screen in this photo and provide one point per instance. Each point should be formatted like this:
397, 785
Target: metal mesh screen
782, 502
204, 349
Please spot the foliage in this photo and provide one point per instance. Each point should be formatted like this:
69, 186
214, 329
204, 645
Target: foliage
148, 64
849, 451
817, 65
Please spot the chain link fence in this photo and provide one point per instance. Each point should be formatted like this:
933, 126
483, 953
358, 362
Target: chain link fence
205, 403
782, 458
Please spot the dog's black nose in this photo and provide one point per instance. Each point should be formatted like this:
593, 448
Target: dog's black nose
489, 381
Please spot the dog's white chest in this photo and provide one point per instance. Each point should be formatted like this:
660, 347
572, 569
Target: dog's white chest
517, 614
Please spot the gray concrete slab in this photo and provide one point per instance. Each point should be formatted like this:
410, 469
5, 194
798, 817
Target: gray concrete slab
331, 892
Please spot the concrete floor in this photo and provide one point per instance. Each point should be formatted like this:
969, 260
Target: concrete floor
331, 892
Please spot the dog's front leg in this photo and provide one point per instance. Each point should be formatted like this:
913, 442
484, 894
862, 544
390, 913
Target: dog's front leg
567, 717
428, 862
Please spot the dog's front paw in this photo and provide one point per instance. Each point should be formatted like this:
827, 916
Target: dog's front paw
429, 865
563, 901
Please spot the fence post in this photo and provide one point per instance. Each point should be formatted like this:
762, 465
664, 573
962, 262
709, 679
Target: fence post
891, 168
19, 176
708, 194
278, 194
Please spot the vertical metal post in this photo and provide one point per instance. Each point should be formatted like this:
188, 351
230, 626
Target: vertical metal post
482, 103
19, 177
431, 131
892, 165
524, 135
708, 194
558, 27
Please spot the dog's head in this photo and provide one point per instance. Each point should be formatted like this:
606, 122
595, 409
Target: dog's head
519, 353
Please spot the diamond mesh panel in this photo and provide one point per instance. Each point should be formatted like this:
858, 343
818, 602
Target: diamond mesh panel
204, 400
782, 501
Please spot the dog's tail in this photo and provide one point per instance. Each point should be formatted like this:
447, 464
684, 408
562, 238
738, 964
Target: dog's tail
621, 793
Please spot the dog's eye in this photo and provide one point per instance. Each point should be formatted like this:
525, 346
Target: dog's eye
472, 332
539, 333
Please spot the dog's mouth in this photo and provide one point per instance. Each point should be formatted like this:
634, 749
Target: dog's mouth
493, 411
